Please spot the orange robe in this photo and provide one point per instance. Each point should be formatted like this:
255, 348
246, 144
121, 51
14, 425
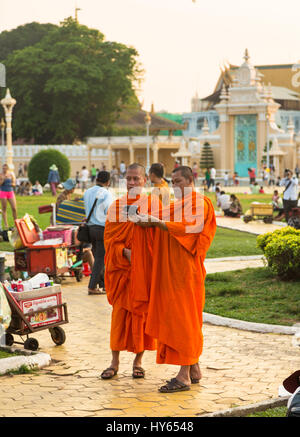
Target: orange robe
162, 190
177, 289
128, 284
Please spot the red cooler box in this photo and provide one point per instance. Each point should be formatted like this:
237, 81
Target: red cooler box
50, 259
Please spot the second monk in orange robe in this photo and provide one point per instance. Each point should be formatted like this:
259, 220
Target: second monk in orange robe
177, 294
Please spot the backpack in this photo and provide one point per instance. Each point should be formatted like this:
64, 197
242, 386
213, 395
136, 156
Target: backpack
294, 404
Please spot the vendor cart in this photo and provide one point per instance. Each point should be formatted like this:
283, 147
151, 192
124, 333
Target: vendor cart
260, 210
57, 259
33, 311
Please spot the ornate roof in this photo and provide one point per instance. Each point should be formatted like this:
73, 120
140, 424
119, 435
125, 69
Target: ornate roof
280, 77
136, 120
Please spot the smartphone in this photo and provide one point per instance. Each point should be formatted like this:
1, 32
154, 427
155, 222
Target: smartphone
130, 209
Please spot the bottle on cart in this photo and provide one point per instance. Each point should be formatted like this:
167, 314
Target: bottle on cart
41, 236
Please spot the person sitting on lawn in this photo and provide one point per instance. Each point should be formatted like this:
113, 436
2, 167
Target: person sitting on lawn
223, 202
261, 190
254, 188
235, 209
277, 205
37, 189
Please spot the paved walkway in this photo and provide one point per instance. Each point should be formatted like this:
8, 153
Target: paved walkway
256, 227
239, 367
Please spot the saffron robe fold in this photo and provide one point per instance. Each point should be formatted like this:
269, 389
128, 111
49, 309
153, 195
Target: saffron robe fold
177, 293
128, 283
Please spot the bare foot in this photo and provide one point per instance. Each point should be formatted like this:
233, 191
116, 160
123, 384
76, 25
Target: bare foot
184, 375
195, 373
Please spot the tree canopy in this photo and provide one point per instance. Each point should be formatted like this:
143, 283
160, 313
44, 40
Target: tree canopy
70, 83
23, 36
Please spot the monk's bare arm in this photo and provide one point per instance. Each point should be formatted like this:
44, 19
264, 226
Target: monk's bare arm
127, 254
161, 225
147, 221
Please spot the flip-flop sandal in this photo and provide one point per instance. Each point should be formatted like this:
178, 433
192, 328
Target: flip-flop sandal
174, 386
195, 380
112, 371
138, 372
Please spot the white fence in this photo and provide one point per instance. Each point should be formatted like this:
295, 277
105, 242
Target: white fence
71, 151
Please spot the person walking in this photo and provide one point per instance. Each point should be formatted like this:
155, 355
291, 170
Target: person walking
84, 178
212, 180
53, 178
93, 173
290, 194
122, 169
114, 176
102, 198
161, 187
7, 184
207, 179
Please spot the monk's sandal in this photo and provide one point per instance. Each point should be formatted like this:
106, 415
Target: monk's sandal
173, 386
138, 372
112, 373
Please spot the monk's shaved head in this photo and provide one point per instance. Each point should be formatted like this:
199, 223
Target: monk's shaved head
185, 171
136, 166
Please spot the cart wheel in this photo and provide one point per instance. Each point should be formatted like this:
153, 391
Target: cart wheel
247, 218
268, 219
57, 280
7, 339
32, 344
79, 276
58, 335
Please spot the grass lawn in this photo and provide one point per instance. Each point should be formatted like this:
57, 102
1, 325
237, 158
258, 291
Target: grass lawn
226, 242
4, 354
245, 199
30, 205
232, 243
253, 295
271, 412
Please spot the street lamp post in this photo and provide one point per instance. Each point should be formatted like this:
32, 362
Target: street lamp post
268, 145
148, 122
8, 103
2, 126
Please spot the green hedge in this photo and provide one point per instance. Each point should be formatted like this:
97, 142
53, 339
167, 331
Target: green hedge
38, 168
282, 251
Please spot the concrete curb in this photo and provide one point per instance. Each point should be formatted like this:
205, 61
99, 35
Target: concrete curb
249, 409
27, 358
249, 326
235, 258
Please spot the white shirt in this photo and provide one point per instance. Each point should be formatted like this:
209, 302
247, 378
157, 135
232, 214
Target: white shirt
122, 167
224, 201
105, 199
292, 192
213, 173
85, 175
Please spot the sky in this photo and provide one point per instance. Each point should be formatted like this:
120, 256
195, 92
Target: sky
181, 44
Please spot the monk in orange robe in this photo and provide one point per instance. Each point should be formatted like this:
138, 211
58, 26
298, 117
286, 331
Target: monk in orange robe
177, 294
128, 263
161, 187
